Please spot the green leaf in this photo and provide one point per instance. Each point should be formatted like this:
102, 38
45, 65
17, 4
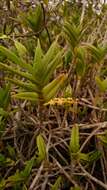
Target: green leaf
98, 53
41, 148
101, 84
11, 151
83, 157
4, 161
34, 18
2, 158
38, 55
32, 96
74, 140
57, 184
25, 187
14, 58
2, 184
73, 33
50, 90
68, 91
44, 66
68, 58
3, 113
22, 176
57, 61
4, 36
26, 172
94, 155
46, 1
51, 53
38, 65
14, 179
27, 86
21, 49
80, 61
4, 96
103, 138
89, 157
17, 72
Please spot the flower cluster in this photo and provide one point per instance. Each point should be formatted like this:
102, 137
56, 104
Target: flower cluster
62, 101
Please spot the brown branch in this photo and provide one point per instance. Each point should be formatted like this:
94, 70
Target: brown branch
87, 174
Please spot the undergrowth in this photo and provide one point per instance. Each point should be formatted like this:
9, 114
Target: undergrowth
53, 96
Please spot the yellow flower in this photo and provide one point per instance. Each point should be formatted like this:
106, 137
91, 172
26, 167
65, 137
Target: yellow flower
62, 101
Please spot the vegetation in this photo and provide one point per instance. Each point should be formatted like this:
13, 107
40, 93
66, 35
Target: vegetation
53, 95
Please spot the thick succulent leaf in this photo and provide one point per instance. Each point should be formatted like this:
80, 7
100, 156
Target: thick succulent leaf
57, 184
21, 49
80, 61
11, 151
89, 157
68, 57
2, 184
24, 85
38, 65
15, 59
83, 157
16, 178
31, 96
94, 155
27, 170
4, 36
103, 138
34, 18
3, 113
73, 33
74, 140
51, 53
98, 53
41, 148
101, 84
17, 72
57, 61
39, 74
19, 177
38, 56
50, 90
44, 66
46, 1
68, 91
4, 96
